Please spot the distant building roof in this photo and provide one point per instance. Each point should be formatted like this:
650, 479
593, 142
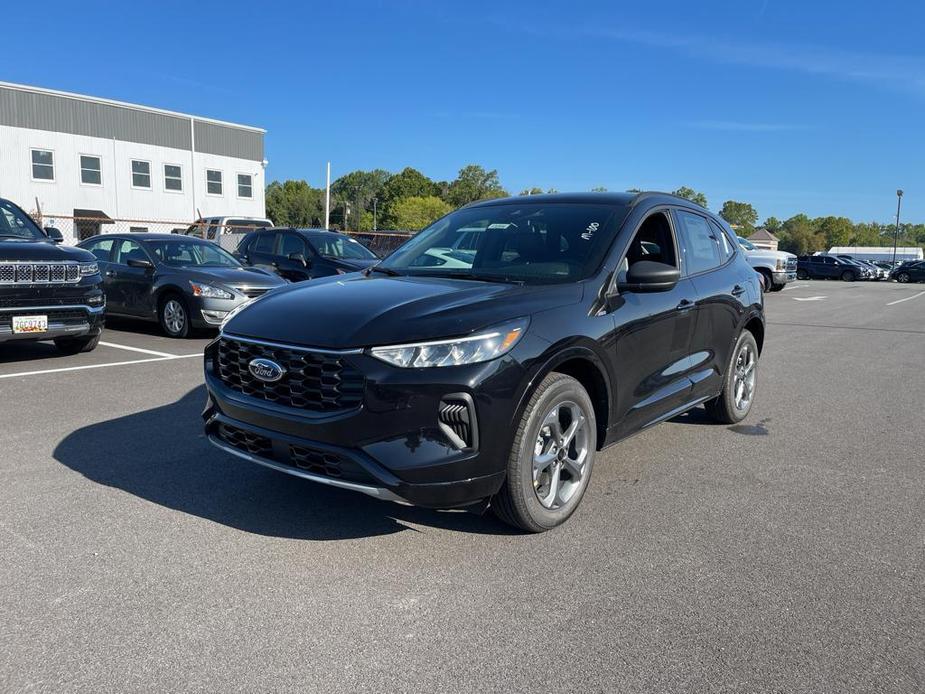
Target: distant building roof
762, 235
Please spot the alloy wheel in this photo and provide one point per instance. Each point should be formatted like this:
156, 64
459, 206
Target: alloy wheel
174, 316
560, 455
744, 377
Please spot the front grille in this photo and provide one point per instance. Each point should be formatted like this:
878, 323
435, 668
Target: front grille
791, 264
39, 273
315, 381
312, 460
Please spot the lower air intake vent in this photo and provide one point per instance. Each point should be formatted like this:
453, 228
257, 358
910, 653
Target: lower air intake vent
457, 420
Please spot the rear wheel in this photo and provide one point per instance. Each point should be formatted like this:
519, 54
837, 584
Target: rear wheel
735, 401
847, 276
802, 275
174, 316
768, 280
903, 277
76, 345
550, 463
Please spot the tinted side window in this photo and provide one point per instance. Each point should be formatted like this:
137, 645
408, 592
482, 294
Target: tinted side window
290, 244
264, 243
101, 249
726, 247
700, 246
126, 250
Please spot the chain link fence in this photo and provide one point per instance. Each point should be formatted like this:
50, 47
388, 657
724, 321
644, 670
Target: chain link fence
77, 229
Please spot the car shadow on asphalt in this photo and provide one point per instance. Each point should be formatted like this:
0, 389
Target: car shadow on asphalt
162, 455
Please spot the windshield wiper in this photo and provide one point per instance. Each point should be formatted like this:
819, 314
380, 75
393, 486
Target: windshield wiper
15, 236
474, 277
384, 270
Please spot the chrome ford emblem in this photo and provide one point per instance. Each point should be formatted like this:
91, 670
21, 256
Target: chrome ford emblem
266, 370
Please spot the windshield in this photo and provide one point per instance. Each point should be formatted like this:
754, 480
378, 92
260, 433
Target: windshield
746, 244
189, 253
341, 247
530, 242
14, 223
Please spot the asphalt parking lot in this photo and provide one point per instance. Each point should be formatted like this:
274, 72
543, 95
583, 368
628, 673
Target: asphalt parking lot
782, 554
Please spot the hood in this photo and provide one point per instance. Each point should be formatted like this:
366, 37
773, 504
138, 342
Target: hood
770, 255
352, 311
11, 249
354, 263
231, 276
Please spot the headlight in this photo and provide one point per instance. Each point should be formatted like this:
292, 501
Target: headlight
781, 264
484, 346
88, 269
209, 292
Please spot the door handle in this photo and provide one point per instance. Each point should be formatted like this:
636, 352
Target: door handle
684, 305
738, 290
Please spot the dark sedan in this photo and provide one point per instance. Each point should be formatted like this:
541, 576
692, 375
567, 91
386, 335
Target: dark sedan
913, 272
179, 281
304, 254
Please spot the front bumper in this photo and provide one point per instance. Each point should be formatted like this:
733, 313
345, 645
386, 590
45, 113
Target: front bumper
392, 445
64, 320
784, 276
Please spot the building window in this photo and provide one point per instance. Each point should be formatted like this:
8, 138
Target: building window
173, 180
141, 174
43, 165
138, 230
245, 186
213, 182
90, 170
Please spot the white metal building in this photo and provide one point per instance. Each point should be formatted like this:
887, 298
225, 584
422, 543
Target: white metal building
79, 156
878, 252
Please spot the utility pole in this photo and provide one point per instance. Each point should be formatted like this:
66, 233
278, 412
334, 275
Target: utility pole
899, 202
375, 225
327, 200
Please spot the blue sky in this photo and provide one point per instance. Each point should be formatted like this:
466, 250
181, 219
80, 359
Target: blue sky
793, 106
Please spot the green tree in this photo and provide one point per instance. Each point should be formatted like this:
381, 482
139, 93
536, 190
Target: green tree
694, 196
360, 188
531, 191
417, 212
294, 203
740, 214
407, 183
599, 189
835, 231
474, 183
772, 224
798, 235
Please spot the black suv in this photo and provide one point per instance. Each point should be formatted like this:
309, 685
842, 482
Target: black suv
47, 292
450, 379
829, 267
303, 254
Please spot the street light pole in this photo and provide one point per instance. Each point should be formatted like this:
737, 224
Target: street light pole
899, 202
375, 226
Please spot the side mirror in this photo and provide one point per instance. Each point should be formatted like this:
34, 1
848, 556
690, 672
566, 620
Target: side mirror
140, 262
650, 276
54, 234
299, 258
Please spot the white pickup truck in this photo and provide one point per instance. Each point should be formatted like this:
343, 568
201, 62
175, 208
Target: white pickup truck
776, 267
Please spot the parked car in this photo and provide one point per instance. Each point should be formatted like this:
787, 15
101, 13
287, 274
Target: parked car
304, 254
874, 272
913, 272
47, 291
227, 232
829, 267
581, 320
776, 267
179, 281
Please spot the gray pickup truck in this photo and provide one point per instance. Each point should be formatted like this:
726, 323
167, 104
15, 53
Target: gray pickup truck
776, 267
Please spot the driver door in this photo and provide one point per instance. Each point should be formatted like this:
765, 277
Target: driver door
128, 289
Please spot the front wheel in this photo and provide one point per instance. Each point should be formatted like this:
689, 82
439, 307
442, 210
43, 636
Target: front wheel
802, 275
903, 277
76, 345
734, 402
777, 287
174, 316
551, 459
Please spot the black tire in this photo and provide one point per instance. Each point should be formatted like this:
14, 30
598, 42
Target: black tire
168, 309
802, 275
518, 502
903, 277
777, 287
76, 345
723, 409
848, 276
768, 280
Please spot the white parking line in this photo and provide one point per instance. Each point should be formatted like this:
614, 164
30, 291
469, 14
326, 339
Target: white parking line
796, 286
99, 366
136, 349
908, 298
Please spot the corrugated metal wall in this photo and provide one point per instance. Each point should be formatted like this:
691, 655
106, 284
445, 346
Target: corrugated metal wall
212, 138
25, 109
